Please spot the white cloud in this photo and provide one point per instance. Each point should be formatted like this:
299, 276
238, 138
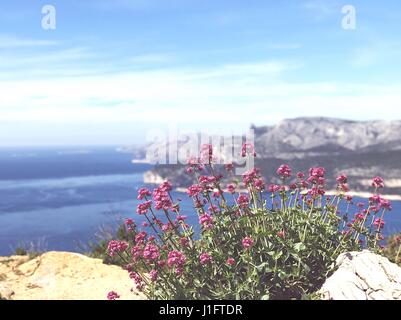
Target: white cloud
7, 41
227, 95
322, 9
378, 51
192, 96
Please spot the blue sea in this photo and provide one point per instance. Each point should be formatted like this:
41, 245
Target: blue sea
61, 198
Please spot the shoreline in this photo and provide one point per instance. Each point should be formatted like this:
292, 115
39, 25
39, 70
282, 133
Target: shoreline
359, 194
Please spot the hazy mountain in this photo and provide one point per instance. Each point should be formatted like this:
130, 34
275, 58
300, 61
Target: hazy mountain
360, 149
327, 135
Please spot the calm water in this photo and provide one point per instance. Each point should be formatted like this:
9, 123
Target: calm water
59, 198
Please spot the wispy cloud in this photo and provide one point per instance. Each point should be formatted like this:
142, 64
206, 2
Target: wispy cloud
321, 9
152, 58
7, 41
375, 53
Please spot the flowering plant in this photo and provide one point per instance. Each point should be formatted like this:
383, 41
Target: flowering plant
255, 241
393, 248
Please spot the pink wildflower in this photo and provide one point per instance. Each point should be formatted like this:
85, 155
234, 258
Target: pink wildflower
194, 190
207, 153
176, 258
142, 193
247, 242
112, 295
151, 252
273, 188
243, 201
161, 197
342, 179
114, 247
248, 148
206, 220
259, 184
284, 171
231, 188
153, 275
281, 234
143, 208
379, 223
385, 204
140, 236
378, 182
129, 222
205, 258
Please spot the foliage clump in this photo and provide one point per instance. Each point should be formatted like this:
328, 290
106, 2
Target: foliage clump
256, 241
392, 249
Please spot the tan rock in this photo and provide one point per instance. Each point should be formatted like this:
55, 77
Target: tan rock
64, 276
363, 276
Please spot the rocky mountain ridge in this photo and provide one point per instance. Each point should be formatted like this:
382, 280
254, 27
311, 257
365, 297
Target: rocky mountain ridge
361, 150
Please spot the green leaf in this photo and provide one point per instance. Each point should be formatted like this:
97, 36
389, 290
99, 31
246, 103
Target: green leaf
299, 247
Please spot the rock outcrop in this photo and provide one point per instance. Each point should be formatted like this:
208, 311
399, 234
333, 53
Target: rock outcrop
62, 276
363, 276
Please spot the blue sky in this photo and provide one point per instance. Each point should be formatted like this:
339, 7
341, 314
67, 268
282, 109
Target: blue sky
112, 70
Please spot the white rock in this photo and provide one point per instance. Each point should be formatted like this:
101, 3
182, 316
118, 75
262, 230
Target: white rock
363, 276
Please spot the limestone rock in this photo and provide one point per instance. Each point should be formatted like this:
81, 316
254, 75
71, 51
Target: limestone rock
62, 276
363, 276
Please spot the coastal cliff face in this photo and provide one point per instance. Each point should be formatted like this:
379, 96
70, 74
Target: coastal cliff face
361, 150
62, 276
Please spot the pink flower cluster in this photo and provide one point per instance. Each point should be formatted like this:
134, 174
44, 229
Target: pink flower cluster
376, 203
273, 188
151, 252
248, 148
176, 259
140, 284
247, 242
316, 177
115, 246
194, 190
205, 258
161, 196
207, 153
249, 176
206, 221
112, 295
143, 208
243, 201
342, 183
153, 275
231, 188
378, 182
194, 164
142, 193
208, 182
284, 171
